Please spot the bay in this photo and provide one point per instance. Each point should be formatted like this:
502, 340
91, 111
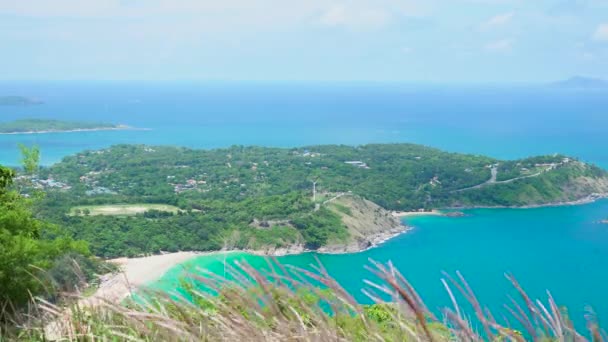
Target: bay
561, 249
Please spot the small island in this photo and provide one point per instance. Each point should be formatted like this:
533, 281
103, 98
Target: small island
37, 126
18, 101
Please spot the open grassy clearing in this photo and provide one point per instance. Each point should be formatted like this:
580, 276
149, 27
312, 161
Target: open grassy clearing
121, 209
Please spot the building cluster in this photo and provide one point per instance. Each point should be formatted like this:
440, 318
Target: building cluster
50, 184
190, 184
43, 184
307, 154
90, 179
357, 163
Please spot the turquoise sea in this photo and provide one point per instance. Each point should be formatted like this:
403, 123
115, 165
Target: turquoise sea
559, 248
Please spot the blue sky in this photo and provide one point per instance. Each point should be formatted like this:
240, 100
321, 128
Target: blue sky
341, 40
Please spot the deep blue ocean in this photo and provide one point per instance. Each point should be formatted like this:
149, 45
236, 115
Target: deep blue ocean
563, 249
501, 121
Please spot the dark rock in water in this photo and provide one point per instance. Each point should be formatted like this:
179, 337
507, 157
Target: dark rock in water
455, 214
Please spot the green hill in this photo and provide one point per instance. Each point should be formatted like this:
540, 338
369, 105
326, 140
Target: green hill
223, 192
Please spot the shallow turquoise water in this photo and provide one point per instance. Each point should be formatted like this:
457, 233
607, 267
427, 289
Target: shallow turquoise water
561, 249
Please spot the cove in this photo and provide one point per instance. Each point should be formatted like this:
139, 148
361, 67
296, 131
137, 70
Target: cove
562, 249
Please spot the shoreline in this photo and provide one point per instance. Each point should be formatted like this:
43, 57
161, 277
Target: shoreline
585, 200
401, 214
141, 271
135, 273
77, 130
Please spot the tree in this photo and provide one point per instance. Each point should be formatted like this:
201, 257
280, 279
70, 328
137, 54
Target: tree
23, 253
30, 159
6, 178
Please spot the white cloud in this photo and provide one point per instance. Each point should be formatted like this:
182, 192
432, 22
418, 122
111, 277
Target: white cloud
334, 16
369, 14
501, 45
601, 33
224, 15
497, 21
355, 17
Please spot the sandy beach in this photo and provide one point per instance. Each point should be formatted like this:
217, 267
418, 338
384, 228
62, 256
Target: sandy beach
416, 213
117, 128
136, 272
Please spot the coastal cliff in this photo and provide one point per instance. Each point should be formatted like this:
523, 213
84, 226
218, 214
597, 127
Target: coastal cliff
367, 223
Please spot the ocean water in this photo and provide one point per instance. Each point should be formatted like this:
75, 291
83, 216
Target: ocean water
558, 248
505, 122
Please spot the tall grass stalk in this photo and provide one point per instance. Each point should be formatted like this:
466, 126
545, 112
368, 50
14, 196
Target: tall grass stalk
288, 303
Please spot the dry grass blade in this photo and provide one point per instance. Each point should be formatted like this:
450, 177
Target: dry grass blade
452, 298
288, 303
389, 277
522, 318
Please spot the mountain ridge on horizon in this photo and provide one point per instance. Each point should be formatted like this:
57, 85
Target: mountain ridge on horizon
581, 82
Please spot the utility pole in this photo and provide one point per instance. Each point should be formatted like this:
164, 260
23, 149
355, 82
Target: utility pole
314, 191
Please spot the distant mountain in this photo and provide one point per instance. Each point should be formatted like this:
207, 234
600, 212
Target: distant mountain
17, 101
581, 82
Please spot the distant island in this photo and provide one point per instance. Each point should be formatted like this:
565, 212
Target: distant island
17, 101
580, 82
37, 126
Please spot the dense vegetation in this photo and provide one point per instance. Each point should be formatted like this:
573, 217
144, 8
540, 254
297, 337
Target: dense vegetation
224, 192
28, 247
221, 225
43, 125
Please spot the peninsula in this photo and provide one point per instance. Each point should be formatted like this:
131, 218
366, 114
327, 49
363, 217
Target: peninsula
38, 126
330, 198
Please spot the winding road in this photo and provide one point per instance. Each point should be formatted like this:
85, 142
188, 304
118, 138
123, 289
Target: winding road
492, 180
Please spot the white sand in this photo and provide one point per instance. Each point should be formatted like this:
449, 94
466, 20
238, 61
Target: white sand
136, 272
417, 213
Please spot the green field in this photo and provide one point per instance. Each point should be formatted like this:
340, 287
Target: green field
121, 209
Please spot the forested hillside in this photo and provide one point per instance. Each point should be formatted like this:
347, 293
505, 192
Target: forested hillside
222, 192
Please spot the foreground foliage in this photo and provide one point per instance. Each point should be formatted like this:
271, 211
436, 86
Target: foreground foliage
25, 255
291, 304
